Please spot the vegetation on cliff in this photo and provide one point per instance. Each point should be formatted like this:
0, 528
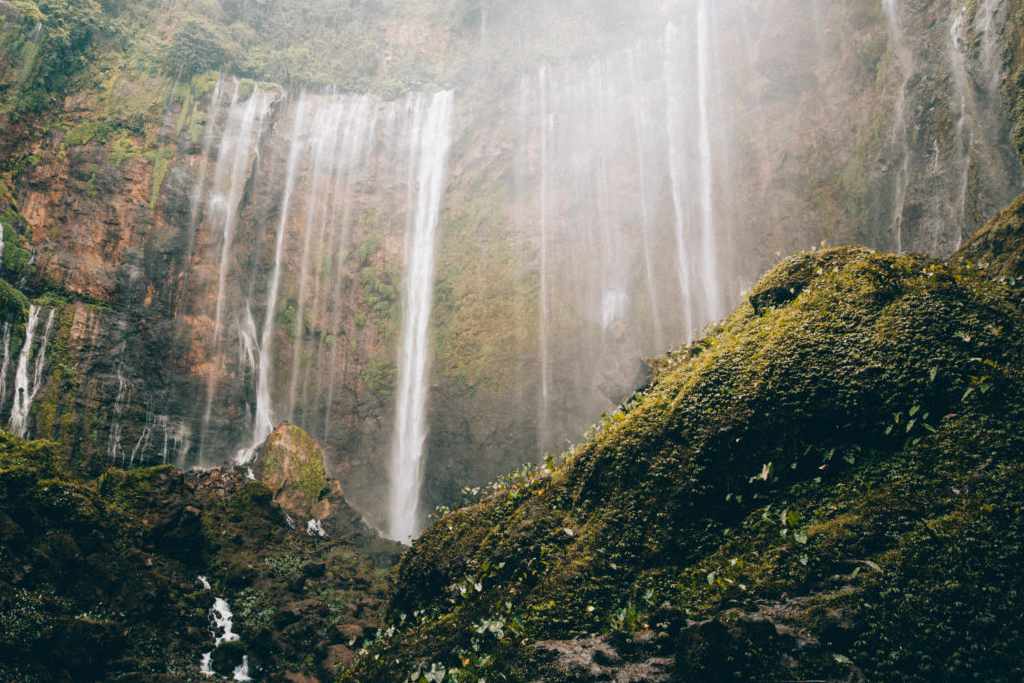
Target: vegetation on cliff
105, 580
827, 486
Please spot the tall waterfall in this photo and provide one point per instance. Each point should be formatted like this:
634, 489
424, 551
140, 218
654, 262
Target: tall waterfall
28, 377
673, 112
429, 143
263, 424
900, 129
6, 364
301, 195
544, 404
237, 153
711, 284
623, 164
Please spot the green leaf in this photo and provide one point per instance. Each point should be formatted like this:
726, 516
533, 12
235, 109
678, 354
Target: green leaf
914, 411
933, 374
800, 537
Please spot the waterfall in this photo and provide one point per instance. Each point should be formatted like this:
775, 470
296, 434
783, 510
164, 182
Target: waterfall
263, 424
234, 161
1, 247
620, 155
318, 213
673, 111
544, 404
123, 392
640, 124
6, 364
26, 386
964, 135
358, 135
198, 191
899, 129
708, 272
429, 145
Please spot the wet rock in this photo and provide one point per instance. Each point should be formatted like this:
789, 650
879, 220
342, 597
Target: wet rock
595, 659
227, 657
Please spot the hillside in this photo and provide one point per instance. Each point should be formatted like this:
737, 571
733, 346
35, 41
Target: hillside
826, 486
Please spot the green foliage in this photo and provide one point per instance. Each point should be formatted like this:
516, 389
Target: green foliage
380, 292
380, 376
13, 304
754, 470
194, 50
51, 48
255, 609
287, 566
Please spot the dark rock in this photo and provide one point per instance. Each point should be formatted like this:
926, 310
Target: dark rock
227, 657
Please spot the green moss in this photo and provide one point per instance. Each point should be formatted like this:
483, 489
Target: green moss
827, 425
13, 304
380, 377
291, 463
161, 159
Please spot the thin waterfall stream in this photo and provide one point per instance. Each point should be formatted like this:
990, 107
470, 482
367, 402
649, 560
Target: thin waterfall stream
429, 145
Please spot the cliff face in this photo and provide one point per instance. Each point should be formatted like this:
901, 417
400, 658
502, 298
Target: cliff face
886, 125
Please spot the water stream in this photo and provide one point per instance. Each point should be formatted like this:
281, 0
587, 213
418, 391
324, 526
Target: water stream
430, 142
28, 376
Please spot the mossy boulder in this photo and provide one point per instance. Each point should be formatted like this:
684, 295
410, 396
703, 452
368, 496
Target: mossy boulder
998, 247
291, 464
829, 486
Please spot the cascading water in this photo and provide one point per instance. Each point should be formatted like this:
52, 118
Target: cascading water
899, 130
428, 160
673, 112
6, 364
27, 385
114, 451
605, 205
544, 404
640, 124
710, 282
263, 424
199, 191
967, 113
234, 162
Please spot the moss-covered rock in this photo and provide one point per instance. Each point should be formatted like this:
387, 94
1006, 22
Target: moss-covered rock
115, 578
828, 487
291, 464
998, 247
